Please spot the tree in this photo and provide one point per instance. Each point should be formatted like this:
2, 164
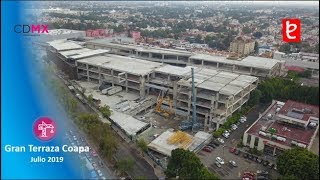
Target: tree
125, 165
90, 99
141, 143
299, 163
246, 30
186, 165
256, 47
105, 110
286, 48
254, 97
257, 34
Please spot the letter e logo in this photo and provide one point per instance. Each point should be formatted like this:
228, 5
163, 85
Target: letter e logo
291, 30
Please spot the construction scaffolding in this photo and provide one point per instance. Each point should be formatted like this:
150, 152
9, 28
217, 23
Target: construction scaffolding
182, 139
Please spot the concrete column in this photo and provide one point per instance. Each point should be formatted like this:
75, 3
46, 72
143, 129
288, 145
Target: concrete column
162, 56
233, 67
216, 101
175, 95
274, 150
177, 57
251, 70
126, 83
113, 79
260, 145
99, 70
142, 86
87, 66
202, 62
150, 55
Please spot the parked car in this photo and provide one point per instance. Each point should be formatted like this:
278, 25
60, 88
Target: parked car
250, 156
220, 160
254, 158
220, 140
217, 164
215, 142
265, 163
226, 135
233, 163
271, 165
259, 160
234, 127
211, 146
232, 149
237, 152
245, 155
207, 149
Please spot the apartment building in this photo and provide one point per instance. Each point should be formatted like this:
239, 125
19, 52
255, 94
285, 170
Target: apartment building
242, 46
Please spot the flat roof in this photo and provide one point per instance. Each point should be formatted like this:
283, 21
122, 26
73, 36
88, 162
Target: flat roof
290, 132
223, 82
161, 145
128, 123
303, 64
107, 42
174, 70
122, 63
61, 45
299, 110
89, 53
250, 61
63, 31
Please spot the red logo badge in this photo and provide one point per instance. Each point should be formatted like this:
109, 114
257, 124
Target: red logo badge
44, 128
291, 30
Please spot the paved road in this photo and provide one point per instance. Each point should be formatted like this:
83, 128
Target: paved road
227, 171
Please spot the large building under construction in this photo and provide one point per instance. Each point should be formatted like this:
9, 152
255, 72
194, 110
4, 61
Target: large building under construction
218, 93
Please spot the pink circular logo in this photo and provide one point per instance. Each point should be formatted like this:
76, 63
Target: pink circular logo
44, 128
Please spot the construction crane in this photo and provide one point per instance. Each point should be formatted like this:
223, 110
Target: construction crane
193, 124
159, 109
43, 128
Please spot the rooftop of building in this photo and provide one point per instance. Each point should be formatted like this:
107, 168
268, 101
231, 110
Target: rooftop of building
140, 48
269, 123
63, 45
223, 82
63, 31
122, 63
299, 110
250, 61
82, 53
186, 141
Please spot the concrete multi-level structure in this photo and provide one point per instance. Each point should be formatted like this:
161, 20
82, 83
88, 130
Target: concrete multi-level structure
283, 126
219, 94
256, 66
242, 46
307, 61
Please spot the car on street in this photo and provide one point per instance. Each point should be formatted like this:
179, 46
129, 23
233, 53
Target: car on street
207, 149
232, 149
265, 163
211, 146
215, 142
233, 163
226, 135
259, 160
234, 127
217, 164
220, 160
220, 140
237, 152
245, 155
250, 156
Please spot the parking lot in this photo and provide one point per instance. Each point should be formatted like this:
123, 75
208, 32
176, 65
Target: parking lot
227, 171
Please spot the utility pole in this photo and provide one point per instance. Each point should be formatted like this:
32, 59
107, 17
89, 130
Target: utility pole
194, 114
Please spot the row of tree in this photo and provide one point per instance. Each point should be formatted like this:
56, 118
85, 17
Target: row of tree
285, 89
184, 164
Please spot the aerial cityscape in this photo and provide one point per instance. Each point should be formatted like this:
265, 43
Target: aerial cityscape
185, 90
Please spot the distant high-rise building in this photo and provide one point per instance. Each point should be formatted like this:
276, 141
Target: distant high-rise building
242, 46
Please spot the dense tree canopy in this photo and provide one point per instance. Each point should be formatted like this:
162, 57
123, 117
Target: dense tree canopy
284, 89
299, 163
186, 165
